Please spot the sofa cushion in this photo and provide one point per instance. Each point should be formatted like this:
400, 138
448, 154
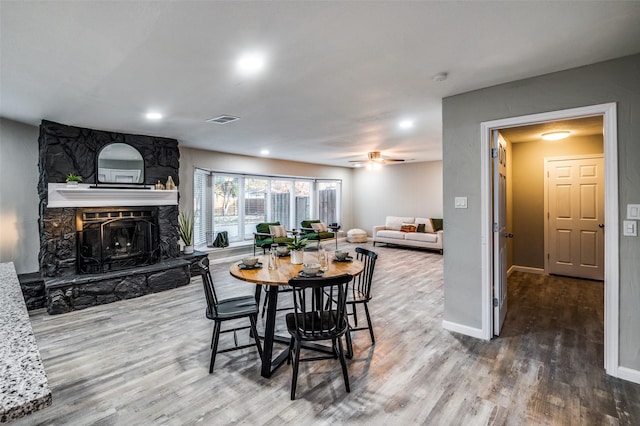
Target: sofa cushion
425, 237
408, 227
426, 222
319, 227
277, 231
436, 224
395, 222
389, 233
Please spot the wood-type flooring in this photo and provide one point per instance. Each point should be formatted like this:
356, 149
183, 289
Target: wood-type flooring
145, 361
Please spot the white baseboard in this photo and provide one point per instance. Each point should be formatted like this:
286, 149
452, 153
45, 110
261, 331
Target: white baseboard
528, 269
463, 329
629, 374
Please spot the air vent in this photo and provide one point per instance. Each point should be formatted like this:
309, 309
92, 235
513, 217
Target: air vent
223, 119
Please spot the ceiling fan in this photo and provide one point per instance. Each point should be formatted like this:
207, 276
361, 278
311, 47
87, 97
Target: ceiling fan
375, 160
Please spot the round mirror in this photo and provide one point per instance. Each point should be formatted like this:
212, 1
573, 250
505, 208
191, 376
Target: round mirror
120, 163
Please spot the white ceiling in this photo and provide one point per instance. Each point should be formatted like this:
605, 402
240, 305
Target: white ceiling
339, 75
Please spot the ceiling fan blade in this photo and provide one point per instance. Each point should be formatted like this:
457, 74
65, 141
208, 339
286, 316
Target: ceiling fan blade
392, 160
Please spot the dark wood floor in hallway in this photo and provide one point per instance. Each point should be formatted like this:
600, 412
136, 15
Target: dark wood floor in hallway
145, 361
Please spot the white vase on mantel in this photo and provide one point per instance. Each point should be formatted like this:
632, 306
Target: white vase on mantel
296, 257
72, 184
188, 250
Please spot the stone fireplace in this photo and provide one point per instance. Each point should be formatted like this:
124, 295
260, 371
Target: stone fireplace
101, 243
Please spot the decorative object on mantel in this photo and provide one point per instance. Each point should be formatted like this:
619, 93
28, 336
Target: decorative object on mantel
159, 185
170, 185
185, 221
297, 246
73, 179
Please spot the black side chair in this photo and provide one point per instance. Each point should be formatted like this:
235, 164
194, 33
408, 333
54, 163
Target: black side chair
226, 310
360, 294
320, 313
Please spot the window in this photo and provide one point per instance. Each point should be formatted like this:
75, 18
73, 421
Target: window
281, 202
255, 204
225, 206
236, 203
328, 206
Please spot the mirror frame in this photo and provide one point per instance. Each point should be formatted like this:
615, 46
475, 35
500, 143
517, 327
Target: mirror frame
97, 167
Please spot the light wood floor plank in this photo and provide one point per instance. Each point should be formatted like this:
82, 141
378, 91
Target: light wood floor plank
145, 361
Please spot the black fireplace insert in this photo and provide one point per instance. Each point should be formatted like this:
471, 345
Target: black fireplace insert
115, 238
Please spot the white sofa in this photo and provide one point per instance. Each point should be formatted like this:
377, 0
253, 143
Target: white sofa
391, 233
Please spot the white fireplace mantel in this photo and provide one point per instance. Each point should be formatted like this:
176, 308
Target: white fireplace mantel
61, 195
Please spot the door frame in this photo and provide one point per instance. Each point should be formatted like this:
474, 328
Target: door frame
547, 160
611, 260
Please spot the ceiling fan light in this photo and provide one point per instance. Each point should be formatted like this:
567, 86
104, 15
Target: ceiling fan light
555, 136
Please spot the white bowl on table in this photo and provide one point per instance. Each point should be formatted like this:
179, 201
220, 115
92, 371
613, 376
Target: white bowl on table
310, 268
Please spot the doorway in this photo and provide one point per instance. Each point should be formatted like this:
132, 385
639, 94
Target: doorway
490, 267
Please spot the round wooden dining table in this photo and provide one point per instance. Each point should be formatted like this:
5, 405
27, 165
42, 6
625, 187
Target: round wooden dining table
280, 277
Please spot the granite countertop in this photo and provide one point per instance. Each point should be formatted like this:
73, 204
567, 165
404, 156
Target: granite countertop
24, 388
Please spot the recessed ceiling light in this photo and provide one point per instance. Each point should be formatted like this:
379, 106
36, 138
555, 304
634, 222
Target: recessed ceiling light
264, 152
250, 63
405, 124
554, 136
153, 116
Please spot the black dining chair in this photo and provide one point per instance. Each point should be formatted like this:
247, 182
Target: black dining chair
360, 294
226, 310
319, 315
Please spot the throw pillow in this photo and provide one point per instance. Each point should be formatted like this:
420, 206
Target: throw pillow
319, 227
421, 228
277, 231
408, 227
436, 224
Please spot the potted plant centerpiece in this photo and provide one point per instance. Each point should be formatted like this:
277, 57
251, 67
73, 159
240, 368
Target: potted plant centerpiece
73, 179
185, 221
297, 246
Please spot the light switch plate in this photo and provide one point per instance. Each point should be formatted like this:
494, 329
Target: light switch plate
629, 228
461, 202
633, 211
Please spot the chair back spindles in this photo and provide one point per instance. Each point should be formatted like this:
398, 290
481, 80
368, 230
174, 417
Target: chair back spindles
321, 305
209, 289
362, 283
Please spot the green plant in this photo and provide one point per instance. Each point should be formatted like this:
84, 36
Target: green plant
297, 244
185, 221
73, 178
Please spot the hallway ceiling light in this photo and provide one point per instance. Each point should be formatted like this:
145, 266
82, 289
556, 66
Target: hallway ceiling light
554, 136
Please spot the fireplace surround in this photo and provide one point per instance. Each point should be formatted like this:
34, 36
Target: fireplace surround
84, 257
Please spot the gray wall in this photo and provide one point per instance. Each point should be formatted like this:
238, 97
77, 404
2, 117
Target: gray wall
528, 192
19, 239
612, 81
412, 189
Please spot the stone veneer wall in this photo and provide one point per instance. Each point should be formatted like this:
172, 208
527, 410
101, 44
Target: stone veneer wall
67, 149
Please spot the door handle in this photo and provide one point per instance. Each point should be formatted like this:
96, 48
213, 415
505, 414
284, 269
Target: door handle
601, 225
508, 235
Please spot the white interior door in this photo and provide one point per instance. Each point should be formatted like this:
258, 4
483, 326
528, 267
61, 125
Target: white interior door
500, 235
576, 217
